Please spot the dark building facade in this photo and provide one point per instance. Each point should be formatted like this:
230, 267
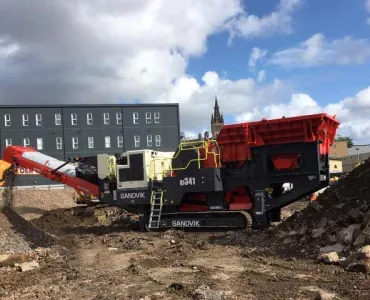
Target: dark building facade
217, 120
84, 130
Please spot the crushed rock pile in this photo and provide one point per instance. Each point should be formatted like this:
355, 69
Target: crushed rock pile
335, 228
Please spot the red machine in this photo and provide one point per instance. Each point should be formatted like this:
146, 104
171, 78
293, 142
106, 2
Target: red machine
255, 168
51, 168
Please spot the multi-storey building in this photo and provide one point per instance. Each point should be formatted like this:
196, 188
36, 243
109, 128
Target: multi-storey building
64, 131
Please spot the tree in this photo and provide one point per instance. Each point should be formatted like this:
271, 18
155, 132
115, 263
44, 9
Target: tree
349, 140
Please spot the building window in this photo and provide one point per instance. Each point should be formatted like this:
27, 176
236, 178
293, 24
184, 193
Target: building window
137, 140
25, 119
120, 141
74, 119
90, 141
59, 143
148, 117
106, 118
58, 119
38, 119
135, 116
75, 142
40, 144
7, 120
89, 118
26, 142
107, 142
119, 118
158, 140
8, 142
156, 117
149, 140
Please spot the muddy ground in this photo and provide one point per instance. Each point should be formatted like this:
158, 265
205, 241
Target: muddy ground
79, 258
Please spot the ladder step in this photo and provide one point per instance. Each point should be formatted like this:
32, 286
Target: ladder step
156, 209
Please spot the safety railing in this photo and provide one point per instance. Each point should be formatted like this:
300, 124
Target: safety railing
187, 146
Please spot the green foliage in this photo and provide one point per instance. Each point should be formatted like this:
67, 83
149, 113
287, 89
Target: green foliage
345, 138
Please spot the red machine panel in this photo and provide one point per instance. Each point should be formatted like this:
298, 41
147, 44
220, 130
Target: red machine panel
235, 141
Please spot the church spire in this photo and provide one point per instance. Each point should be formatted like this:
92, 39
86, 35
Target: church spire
216, 113
217, 120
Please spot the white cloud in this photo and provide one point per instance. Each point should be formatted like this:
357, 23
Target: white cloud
94, 52
261, 76
257, 54
6, 49
317, 51
98, 52
197, 98
352, 112
277, 22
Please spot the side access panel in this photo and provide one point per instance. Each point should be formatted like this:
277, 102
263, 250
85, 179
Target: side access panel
191, 181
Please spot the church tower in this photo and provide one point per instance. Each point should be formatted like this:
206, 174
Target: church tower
217, 120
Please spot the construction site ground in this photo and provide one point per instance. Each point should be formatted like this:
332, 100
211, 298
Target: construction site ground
84, 257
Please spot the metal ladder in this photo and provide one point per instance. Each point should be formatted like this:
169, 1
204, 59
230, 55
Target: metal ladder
156, 209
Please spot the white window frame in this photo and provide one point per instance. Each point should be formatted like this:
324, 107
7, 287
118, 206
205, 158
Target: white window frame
135, 118
149, 140
106, 118
40, 144
119, 118
137, 140
8, 142
26, 142
107, 142
7, 120
89, 118
148, 117
58, 119
38, 118
73, 119
120, 141
59, 143
158, 140
157, 116
75, 142
90, 142
25, 120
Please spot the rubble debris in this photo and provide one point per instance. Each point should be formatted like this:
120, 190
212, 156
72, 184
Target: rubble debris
316, 233
356, 215
337, 223
360, 266
9, 260
329, 258
348, 235
338, 248
28, 266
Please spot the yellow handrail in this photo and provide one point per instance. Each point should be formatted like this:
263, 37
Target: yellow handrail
203, 145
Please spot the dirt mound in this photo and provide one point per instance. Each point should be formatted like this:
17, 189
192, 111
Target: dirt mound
337, 224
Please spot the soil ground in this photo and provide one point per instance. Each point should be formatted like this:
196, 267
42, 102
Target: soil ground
81, 259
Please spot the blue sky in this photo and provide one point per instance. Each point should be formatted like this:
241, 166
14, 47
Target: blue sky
326, 84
